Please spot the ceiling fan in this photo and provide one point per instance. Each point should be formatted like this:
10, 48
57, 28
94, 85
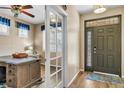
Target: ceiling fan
18, 9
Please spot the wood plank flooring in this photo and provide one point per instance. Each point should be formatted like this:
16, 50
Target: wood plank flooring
82, 82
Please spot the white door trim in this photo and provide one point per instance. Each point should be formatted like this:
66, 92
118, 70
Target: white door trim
64, 14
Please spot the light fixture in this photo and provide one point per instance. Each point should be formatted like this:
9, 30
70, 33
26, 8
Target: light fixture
99, 9
16, 10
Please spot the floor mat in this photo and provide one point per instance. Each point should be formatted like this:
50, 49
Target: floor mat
105, 78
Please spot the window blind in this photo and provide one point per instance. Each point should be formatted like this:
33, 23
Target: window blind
23, 29
23, 26
4, 26
4, 21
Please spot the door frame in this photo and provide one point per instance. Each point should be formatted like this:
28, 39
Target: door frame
85, 40
59, 10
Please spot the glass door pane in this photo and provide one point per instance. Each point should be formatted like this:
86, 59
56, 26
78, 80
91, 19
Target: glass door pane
59, 36
59, 50
53, 66
89, 49
53, 81
52, 28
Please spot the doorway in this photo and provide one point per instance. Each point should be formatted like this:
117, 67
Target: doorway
103, 45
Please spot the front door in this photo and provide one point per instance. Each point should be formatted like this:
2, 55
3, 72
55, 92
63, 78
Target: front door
103, 45
106, 49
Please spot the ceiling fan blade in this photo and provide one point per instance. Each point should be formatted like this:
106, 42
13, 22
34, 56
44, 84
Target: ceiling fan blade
5, 8
27, 7
29, 14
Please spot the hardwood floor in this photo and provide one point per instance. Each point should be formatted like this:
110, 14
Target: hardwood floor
82, 82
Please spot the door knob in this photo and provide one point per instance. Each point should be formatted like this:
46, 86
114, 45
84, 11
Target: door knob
94, 50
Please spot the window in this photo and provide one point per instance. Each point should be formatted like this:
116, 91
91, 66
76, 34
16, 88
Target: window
23, 29
102, 22
4, 26
89, 55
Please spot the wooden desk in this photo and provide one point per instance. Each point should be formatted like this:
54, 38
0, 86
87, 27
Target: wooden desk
21, 72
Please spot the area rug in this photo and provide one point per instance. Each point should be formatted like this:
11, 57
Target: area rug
105, 78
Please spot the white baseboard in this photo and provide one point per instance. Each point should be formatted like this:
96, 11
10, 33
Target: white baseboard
73, 79
105, 73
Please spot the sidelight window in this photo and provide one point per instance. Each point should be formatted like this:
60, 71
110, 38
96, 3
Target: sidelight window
89, 55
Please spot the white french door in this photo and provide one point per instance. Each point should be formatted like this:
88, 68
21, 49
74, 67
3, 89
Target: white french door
54, 48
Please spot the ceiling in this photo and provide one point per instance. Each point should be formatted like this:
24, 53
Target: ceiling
85, 9
37, 10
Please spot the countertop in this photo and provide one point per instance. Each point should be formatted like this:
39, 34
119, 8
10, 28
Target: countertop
11, 60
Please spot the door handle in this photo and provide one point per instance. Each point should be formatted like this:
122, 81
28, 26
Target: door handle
94, 50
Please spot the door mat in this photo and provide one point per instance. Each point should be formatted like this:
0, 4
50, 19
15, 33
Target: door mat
105, 78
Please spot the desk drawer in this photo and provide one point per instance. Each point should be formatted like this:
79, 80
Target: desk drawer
11, 70
11, 81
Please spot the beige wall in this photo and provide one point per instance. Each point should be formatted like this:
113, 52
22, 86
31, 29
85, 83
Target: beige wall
12, 43
38, 39
73, 29
111, 12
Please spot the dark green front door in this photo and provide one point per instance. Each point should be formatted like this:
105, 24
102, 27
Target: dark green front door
106, 49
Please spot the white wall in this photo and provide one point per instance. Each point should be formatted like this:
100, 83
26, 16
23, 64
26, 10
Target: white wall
111, 12
73, 29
